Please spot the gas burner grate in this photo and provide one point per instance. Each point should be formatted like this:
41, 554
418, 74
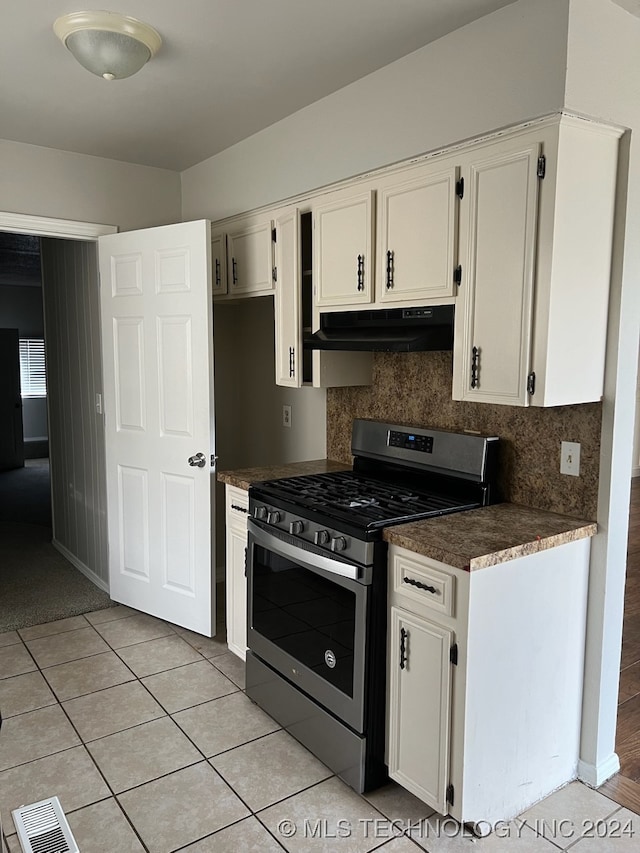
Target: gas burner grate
363, 500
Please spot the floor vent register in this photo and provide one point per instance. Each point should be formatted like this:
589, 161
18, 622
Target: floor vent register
42, 828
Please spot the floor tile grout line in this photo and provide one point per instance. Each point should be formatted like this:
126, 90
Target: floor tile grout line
218, 831
54, 633
41, 757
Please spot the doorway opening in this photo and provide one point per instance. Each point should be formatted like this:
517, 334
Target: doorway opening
25, 493
45, 560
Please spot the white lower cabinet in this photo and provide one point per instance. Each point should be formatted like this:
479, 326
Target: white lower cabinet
419, 732
237, 508
485, 674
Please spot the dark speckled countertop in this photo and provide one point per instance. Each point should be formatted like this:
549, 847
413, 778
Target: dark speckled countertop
242, 478
467, 540
485, 537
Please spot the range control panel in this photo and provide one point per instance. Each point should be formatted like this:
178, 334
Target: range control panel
410, 441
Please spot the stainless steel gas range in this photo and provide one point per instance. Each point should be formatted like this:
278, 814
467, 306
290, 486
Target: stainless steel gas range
316, 583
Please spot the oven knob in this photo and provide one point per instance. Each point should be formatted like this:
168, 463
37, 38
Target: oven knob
321, 537
260, 512
339, 543
296, 527
274, 517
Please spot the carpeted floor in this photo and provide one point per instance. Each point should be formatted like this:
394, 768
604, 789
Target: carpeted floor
25, 493
37, 584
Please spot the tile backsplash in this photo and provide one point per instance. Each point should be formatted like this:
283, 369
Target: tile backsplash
415, 389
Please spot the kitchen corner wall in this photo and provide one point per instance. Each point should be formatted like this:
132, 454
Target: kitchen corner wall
415, 389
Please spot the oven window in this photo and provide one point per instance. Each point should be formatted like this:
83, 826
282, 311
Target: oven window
305, 615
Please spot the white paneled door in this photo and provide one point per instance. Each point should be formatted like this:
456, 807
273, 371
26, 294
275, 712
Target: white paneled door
157, 344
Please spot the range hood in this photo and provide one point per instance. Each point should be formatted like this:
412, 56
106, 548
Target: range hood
385, 330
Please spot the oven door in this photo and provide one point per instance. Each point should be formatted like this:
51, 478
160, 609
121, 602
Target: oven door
307, 614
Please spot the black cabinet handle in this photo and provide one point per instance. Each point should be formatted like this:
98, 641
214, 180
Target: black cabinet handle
475, 367
217, 272
234, 267
360, 272
403, 647
389, 269
419, 584
292, 362
239, 508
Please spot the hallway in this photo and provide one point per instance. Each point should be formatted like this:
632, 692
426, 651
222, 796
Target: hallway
25, 493
37, 584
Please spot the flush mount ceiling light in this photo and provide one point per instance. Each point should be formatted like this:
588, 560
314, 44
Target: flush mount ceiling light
110, 45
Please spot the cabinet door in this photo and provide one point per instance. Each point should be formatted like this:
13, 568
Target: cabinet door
420, 707
237, 502
344, 250
219, 264
288, 321
417, 238
249, 251
492, 348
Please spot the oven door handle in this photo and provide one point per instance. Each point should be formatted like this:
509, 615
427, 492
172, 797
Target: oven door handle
272, 542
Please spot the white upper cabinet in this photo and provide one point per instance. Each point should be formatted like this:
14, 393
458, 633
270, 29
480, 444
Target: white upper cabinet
250, 257
417, 235
293, 313
242, 258
219, 263
288, 319
493, 327
536, 234
343, 239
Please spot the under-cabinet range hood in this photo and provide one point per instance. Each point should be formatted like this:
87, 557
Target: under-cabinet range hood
385, 330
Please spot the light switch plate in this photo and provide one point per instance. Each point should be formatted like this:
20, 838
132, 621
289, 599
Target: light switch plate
570, 458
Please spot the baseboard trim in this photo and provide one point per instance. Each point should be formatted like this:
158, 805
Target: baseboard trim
595, 775
635, 472
80, 566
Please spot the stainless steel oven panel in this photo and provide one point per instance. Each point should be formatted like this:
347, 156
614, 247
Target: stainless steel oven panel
313, 559
348, 708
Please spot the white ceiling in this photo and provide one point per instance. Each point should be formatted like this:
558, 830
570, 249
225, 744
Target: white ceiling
226, 69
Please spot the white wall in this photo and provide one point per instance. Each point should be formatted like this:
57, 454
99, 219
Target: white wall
45, 182
504, 68
249, 428
248, 403
486, 75
603, 81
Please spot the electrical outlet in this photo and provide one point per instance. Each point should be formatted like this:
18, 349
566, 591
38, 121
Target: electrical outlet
570, 458
286, 416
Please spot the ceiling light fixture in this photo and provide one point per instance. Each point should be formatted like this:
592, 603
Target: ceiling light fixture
110, 45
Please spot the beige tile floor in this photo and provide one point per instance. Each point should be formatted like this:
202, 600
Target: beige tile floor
143, 731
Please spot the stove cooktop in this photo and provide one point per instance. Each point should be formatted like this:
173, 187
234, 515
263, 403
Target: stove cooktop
362, 501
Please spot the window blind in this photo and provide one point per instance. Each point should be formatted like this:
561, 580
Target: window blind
33, 377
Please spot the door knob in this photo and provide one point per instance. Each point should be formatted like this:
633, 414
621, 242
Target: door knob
198, 461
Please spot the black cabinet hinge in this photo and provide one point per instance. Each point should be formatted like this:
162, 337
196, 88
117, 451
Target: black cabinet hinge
453, 654
460, 188
542, 166
457, 275
531, 383
273, 235
450, 794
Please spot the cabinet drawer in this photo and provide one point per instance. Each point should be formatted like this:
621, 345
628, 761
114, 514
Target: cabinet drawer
419, 581
237, 506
